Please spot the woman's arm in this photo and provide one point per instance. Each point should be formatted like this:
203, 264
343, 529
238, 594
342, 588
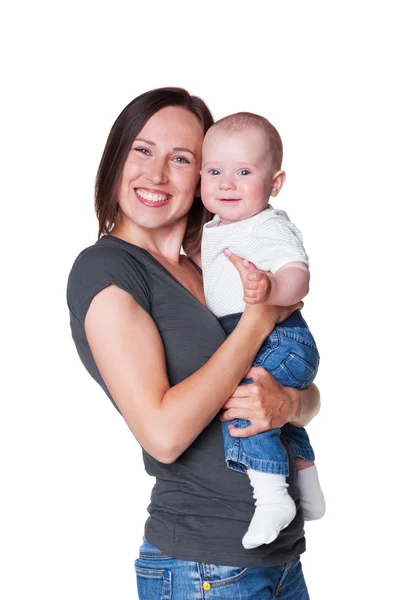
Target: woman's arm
129, 354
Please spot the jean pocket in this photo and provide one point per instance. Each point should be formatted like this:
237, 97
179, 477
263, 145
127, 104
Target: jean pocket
218, 576
298, 371
153, 584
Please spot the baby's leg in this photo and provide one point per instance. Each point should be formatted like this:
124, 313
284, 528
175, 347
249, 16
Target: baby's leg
264, 459
299, 364
311, 496
274, 508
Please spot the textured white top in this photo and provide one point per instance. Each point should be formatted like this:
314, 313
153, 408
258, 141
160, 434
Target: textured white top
267, 239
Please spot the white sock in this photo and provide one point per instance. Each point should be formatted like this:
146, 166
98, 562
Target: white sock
312, 499
274, 510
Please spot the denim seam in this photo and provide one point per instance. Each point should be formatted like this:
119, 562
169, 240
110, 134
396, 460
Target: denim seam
294, 356
154, 556
284, 578
296, 383
149, 572
169, 591
200, 580
258, 464
235, 450
297, 451
297, 338
218, 583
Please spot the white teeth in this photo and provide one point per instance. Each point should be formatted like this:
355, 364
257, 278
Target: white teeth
149, 196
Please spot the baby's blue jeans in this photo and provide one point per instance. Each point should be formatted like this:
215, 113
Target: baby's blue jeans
290, 354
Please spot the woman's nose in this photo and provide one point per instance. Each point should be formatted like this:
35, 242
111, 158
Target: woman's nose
157, 172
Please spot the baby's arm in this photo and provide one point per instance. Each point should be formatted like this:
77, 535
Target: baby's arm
285, 287
289, 284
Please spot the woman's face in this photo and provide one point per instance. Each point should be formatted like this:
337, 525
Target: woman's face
161, 173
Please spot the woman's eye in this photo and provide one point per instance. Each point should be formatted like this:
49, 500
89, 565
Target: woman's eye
181, 159
244, 172
144, 151
214, 172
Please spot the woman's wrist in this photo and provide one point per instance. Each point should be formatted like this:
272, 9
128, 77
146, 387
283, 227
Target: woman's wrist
260, 318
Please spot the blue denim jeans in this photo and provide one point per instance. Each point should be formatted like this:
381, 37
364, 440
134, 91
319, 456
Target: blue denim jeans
158, 574
290, 354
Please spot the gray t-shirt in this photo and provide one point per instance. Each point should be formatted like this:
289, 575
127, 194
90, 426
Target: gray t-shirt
199, 508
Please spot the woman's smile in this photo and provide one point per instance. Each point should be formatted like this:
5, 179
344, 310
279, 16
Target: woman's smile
151, 197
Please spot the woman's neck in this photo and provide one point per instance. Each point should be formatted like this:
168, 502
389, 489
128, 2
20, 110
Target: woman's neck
163, 242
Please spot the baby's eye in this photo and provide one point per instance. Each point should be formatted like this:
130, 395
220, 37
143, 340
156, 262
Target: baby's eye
214, 172
244, 172
144, 151
182, 160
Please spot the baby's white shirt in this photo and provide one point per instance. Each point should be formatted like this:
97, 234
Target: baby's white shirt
267, 239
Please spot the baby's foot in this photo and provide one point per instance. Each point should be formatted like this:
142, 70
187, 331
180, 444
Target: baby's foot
312, 499
274, 510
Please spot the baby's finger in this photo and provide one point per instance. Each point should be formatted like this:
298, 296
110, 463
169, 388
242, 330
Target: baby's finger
254, 293
255, 276
249, 265
253, 285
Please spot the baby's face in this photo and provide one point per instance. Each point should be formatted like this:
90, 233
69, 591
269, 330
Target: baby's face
237, 173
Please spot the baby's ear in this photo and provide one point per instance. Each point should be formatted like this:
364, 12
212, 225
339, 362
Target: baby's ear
277, 183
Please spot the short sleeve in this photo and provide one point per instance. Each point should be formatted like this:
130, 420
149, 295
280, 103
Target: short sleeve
99, 266
278, 242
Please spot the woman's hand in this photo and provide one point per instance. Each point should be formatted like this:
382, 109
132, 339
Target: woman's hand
266, 403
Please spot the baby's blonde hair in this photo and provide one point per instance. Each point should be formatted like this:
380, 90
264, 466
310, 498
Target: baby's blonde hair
243, 120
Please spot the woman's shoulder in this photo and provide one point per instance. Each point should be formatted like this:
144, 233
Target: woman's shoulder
109, 256
108, 261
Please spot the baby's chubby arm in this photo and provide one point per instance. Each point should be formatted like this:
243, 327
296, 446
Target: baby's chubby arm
285, 287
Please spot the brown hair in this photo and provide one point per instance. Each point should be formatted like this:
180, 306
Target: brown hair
125, 129
241, 120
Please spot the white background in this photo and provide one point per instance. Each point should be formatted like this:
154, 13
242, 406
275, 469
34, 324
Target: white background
73, 489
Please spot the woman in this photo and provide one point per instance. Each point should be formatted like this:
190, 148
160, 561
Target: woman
142, 330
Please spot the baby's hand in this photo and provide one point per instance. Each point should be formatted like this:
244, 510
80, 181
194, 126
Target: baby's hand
257, 285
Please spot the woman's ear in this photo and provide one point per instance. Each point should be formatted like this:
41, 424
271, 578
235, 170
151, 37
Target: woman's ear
277, 182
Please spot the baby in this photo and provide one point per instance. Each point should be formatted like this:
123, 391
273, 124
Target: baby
241, 169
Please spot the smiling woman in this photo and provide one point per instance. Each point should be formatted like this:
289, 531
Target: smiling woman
142, 330
161, 171
127, 130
